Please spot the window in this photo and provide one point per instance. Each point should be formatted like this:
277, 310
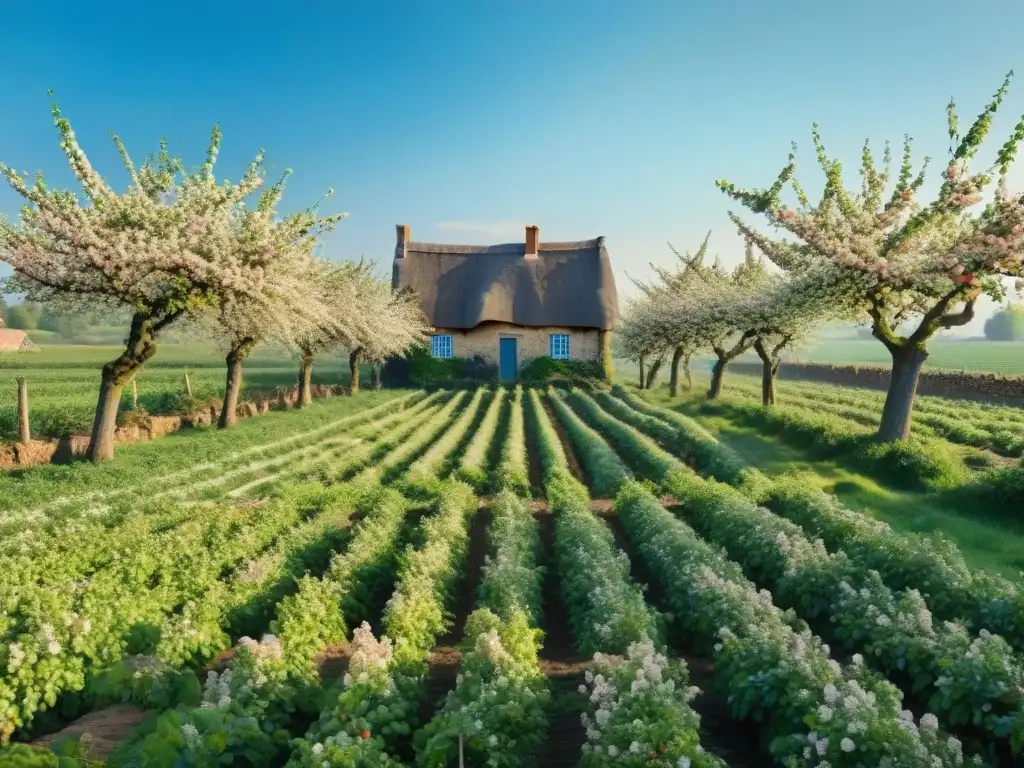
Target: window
441, 346
560, 346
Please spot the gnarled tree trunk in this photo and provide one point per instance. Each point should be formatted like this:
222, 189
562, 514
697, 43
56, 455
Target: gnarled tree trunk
673, 376
305, 380
652, 374
726, 356
907, 362
375, 375
769, 369
643, 379
235, 359
140, 348
355, 357
717, 375
686, 370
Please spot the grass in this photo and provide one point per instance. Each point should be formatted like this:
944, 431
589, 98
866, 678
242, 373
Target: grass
993, 546
63, 381
1004, 357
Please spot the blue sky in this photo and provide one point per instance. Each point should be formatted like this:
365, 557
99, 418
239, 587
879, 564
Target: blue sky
466, 120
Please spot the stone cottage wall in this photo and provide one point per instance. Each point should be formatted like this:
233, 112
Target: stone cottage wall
584, 343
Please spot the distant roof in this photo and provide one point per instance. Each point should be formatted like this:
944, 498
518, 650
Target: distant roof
12, 340
461, 286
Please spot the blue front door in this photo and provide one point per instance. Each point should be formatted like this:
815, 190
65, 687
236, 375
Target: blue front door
507, 358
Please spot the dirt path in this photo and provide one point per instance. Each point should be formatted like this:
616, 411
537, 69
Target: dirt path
561, 663
446, 656
738, 743
106, 729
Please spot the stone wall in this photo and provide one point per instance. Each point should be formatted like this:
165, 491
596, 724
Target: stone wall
985, 387
136, 427
584, 343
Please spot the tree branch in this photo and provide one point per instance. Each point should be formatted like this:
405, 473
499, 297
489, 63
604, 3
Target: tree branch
933, 319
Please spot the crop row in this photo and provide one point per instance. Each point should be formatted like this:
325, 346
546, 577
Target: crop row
933, 565
638, 703
759, 648
184, 457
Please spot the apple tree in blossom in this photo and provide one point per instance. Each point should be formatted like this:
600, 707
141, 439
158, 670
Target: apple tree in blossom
901, 260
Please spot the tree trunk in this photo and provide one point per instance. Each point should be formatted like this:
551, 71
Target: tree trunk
899, 400
354, 358
643, 379
769, 367
717, 374
305, 380
235, 359
375, 375
115, 375
673, 376
652, 373
686, 370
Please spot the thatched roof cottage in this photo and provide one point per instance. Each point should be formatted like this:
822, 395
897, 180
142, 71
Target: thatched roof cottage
513, 302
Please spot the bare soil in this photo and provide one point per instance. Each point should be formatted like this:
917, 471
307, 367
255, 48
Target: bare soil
561, 663
105, 729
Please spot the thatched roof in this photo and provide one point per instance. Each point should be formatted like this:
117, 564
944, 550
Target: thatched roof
461, 286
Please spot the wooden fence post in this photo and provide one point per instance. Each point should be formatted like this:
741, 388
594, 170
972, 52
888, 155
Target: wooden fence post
24, 434
188, 384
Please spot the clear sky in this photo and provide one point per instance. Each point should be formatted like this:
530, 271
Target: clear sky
468, 119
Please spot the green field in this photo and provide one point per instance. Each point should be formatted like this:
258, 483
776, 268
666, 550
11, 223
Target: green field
1005, 357
63, 381
436, 572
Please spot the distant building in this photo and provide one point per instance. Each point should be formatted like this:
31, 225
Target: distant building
513, 302
12, 340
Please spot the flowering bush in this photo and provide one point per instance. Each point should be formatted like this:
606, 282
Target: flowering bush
375, 710
499, 705
511, 579
244, 715
967, 681
315, 615
847, 732
638, 712
772, 672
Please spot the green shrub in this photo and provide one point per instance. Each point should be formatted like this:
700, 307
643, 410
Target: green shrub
543, 370
420, 369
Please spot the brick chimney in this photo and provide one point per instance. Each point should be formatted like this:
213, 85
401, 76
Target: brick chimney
532, 241
402, 239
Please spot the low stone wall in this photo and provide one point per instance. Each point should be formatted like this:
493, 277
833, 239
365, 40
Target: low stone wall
984, 387
135, 427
